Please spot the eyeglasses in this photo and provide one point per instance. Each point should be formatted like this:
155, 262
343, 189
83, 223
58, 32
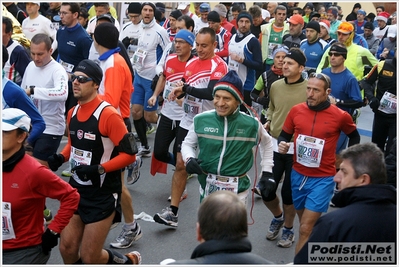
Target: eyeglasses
335, 54
81, 78
322, 77
64, 13
134, 16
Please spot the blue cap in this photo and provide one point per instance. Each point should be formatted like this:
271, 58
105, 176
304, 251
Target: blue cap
186, 36
205, 7
361, 11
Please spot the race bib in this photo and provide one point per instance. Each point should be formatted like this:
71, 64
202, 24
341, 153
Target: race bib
138, 57
8, 229
68, 67
168, 88
80, 157
233, 65
309, 150
388, 103
217, 182
192, 106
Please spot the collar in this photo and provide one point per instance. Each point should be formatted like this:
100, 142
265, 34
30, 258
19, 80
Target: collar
299, 80
9, 164
73, 28
322, 106
109, 53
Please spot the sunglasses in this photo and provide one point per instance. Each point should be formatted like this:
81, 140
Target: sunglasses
81, 78
322, 77
335, 54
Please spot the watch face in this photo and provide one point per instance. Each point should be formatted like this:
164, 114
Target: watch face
101, 170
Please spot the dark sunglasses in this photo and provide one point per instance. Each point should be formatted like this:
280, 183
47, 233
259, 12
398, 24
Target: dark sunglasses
81, 78
322, 77
335, 54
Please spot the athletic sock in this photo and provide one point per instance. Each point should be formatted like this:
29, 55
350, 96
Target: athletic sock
174, 209
117, 258
279, 217
130, 226
141, 128
79, 261
288, 228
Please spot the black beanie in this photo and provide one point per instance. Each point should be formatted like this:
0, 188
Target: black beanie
107, 35
369, 25
91, 69
313, 25
151, 4
297, 55
176, 14
134, 8
213, 16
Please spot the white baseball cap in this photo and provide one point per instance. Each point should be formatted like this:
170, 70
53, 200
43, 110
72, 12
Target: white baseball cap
13, 118
183, 5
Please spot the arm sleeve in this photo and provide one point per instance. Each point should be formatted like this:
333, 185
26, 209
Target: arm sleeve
113, 86
17, 98
66, 151
189, 145
21, 59
284, 136
60, 90
50, 185
161, 63
112, 125
256, 63
270, 110
368, 83
354, 138
379, 50
266, 149
203, 93
374, 46
225, 51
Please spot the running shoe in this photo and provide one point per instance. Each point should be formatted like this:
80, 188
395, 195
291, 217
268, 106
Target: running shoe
274, 229
135, 174
287, 238
135, 257
150, 129
67, 172
167, 217
48, 216
127, 237
144, 152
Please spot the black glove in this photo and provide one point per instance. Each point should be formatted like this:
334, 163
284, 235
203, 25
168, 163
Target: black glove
264, 101
154, 82
193, 166
49, 240
55, 161
84, 172
374, 103
126, 42
267, 184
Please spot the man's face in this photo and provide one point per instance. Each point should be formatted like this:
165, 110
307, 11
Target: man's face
205, 47
378, 11
315, 92
235, 14
147, 13
367, 32
39, 54
54, 5
172, 22
336, 60
100, 10
308, 10
134, 18
278, 60
311, 35
244, 25
257, 21
346, 176
271, 7
32, 9
291, 68
330, 17
225, 103
214, 25
381, 23
295, 29
295, 12
83, 91
204, 16
315, 19
323, 32
67, 17
181, 24
6, 36
280, 16
343, 37
360, 17
182, 47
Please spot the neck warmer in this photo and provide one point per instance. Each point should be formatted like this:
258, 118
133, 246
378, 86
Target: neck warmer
9, 164
277, 71
149, 25
242, 35
323, 105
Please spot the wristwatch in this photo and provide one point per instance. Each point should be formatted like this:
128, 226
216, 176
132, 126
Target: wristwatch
54, 233
32, 89
101, 170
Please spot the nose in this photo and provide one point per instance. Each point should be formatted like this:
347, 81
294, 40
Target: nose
337, 177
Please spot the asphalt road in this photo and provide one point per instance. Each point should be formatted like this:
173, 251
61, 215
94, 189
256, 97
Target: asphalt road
160, 242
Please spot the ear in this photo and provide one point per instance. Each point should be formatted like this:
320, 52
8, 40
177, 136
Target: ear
328, 91
21, 138
365, 179
199, 236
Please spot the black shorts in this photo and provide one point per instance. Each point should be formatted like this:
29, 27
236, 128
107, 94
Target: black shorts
99, 208
46, 145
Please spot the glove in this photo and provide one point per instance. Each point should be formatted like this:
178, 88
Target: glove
49, 240
264, 101
84, 172
374, 103
193, 166
126, 42
267, 185
154, 82
55, 161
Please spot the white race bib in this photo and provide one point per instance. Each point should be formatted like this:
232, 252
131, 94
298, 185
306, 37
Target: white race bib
233, 65
192, 106
388, 103
309, 150
80, 157
67, 66
217, 182
8, 229
138, 57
